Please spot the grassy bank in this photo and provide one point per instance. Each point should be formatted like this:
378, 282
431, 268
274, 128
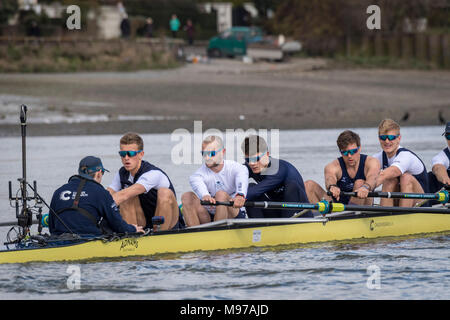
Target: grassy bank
74, 57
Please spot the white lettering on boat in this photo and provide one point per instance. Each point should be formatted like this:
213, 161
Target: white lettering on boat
256, 235
374, 224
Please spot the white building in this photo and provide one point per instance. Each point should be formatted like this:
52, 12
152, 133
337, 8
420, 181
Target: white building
225, 13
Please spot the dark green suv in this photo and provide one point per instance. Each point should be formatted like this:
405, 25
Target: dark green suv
234, 41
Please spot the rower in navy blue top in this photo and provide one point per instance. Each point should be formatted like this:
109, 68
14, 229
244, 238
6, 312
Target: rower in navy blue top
84, 207
276, 180
352, 172
440, 174
347, 183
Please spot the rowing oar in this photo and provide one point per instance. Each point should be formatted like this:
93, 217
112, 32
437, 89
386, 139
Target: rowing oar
13, 223
325, 207
441, 196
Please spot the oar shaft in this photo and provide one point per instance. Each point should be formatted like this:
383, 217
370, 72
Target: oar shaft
441, 196
351, 207
327, 207
266, 204
395, 195
13, 223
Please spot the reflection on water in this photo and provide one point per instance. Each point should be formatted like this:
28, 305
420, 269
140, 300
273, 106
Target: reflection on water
411, 268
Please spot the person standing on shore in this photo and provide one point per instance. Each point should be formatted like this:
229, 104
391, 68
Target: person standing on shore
216, 180
149, 28
189, 28
402, 170
174, 25
352, 172
142, 190
440, 174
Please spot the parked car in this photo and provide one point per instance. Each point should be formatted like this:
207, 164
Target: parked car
240, 41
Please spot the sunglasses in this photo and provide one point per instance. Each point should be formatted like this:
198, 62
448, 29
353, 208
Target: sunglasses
254, 159
123, 154
390, 137
351, 151
447, 136
210, 153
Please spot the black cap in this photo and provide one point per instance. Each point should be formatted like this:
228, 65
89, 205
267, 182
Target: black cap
89, 165
447, 128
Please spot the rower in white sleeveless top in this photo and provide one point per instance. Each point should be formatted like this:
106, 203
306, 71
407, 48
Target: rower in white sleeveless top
402, 169
216, 180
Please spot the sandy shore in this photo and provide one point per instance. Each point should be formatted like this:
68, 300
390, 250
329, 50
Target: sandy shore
298, 94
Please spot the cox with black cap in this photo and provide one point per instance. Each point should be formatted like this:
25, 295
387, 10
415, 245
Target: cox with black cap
84, 207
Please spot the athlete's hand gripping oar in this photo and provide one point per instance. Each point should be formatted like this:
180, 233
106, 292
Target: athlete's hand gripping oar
441, 196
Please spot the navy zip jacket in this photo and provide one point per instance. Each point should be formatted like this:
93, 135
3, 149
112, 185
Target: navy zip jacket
95, 199
273, 183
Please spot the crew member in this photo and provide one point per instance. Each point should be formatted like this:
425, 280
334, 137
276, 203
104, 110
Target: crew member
142, 190
84, 207
216, 180
352, 172
402, 169
440, 174
276, 180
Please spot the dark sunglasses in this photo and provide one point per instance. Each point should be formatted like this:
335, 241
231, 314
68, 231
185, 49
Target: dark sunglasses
210, 153
447, 136
390, 137
123, 154
254, 159
351, 151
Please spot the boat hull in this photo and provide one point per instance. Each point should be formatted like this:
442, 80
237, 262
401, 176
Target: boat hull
232, 237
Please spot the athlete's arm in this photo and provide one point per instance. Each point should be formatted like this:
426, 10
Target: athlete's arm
241, 179
441, 173
269, 183
388, 173
332, 173
198, 185
128, 193
115, 185
371, 172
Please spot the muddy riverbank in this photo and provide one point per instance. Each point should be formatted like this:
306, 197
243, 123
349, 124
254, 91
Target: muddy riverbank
300, 93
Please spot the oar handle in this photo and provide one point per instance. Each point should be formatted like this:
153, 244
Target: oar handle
218, 203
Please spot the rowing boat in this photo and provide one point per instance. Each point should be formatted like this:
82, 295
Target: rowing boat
333, 222
239, 233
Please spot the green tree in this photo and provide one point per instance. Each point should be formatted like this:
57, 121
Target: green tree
7, 9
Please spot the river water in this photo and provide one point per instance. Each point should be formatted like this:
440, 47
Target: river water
409, 268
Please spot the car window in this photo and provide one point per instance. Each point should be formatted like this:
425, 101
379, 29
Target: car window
239, 35
225, 34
